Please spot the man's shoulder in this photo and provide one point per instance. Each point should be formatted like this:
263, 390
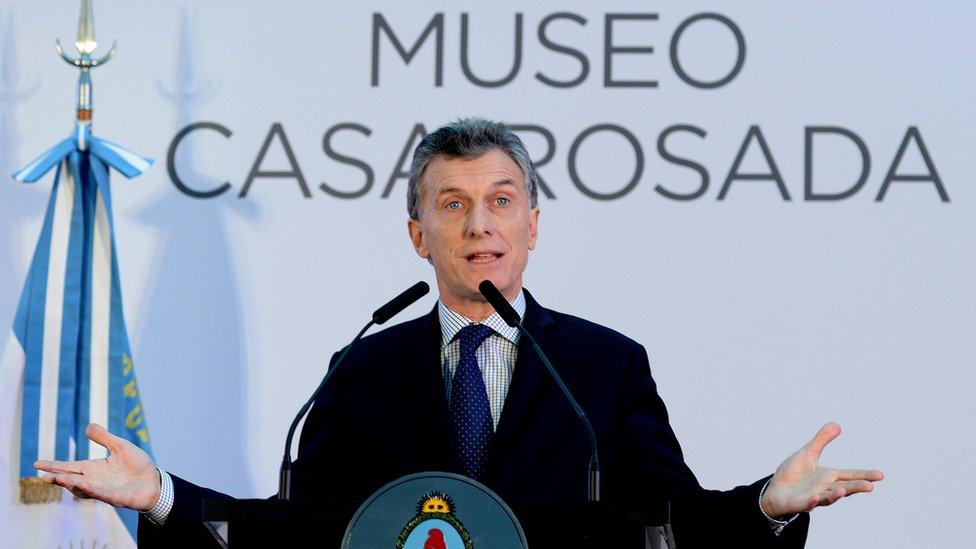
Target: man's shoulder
588, 333
388, 350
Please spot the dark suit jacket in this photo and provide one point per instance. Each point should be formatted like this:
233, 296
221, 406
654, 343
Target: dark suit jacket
384, 415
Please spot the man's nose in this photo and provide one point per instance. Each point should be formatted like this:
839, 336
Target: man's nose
480, 221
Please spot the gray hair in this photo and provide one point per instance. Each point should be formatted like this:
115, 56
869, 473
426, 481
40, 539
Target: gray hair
469, 138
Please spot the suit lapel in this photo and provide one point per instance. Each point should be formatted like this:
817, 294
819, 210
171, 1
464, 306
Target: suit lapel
429, 389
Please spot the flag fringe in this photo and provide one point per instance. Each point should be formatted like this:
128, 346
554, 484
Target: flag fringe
34, 490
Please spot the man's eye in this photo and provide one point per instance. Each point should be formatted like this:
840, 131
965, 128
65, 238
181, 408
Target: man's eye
454, 205
501, 201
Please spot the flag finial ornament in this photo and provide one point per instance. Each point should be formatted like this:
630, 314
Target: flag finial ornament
85, 44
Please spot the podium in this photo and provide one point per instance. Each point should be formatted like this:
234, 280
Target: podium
462, 513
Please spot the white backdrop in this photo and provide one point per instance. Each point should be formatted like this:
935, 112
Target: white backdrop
764, 318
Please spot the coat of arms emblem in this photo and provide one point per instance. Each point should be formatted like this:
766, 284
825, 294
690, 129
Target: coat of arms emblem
435, 526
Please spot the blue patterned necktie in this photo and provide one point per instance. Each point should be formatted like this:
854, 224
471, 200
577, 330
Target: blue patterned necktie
470, 412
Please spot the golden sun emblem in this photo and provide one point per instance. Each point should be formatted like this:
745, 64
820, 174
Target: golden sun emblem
435, 502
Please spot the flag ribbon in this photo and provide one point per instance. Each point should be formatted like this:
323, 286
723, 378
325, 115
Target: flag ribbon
69, 321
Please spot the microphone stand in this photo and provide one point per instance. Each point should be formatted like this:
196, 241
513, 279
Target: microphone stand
511, 317
284, 475
593, 471
381, 315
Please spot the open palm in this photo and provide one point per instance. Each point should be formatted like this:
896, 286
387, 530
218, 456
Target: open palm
126, 478
801, 484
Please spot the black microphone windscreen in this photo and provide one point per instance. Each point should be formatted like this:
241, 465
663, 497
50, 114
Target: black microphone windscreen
498, 301
400, 302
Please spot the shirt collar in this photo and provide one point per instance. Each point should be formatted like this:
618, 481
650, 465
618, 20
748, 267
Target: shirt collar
452, 322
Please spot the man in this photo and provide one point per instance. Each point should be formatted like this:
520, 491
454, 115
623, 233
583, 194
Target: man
457, 390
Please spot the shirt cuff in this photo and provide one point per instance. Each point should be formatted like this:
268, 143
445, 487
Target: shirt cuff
776, 525
159, 512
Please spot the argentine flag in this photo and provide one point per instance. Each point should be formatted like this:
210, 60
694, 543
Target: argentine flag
67, 361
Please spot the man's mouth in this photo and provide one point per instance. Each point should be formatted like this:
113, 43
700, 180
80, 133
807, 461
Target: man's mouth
487, 257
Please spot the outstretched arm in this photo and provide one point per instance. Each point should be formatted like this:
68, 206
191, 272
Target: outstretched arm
126, 478
801, 484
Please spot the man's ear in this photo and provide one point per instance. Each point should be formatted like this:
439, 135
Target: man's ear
533, 227
416, 232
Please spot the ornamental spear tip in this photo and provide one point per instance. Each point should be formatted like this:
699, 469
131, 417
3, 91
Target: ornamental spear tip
86, 30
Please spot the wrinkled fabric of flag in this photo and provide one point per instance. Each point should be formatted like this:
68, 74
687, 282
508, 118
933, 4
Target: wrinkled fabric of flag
67, 362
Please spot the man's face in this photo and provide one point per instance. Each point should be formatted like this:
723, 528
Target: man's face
475, 224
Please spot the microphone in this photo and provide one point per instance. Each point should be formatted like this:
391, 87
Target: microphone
381, 315
400, 302
511, 317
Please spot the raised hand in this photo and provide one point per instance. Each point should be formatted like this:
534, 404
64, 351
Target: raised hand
126, 478
801, 484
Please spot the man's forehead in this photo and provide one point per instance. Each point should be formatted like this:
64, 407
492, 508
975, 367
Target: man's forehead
495, 166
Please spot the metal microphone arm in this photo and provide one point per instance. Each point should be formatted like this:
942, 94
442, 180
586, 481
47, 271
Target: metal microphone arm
593, 484
381, 315
284, 475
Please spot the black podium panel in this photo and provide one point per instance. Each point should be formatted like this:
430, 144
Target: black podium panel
590, 525
272, 523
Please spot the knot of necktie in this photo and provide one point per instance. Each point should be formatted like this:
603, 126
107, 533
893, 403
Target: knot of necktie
472, 336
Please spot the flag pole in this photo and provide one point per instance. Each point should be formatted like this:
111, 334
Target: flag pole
83, 244
33, 490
